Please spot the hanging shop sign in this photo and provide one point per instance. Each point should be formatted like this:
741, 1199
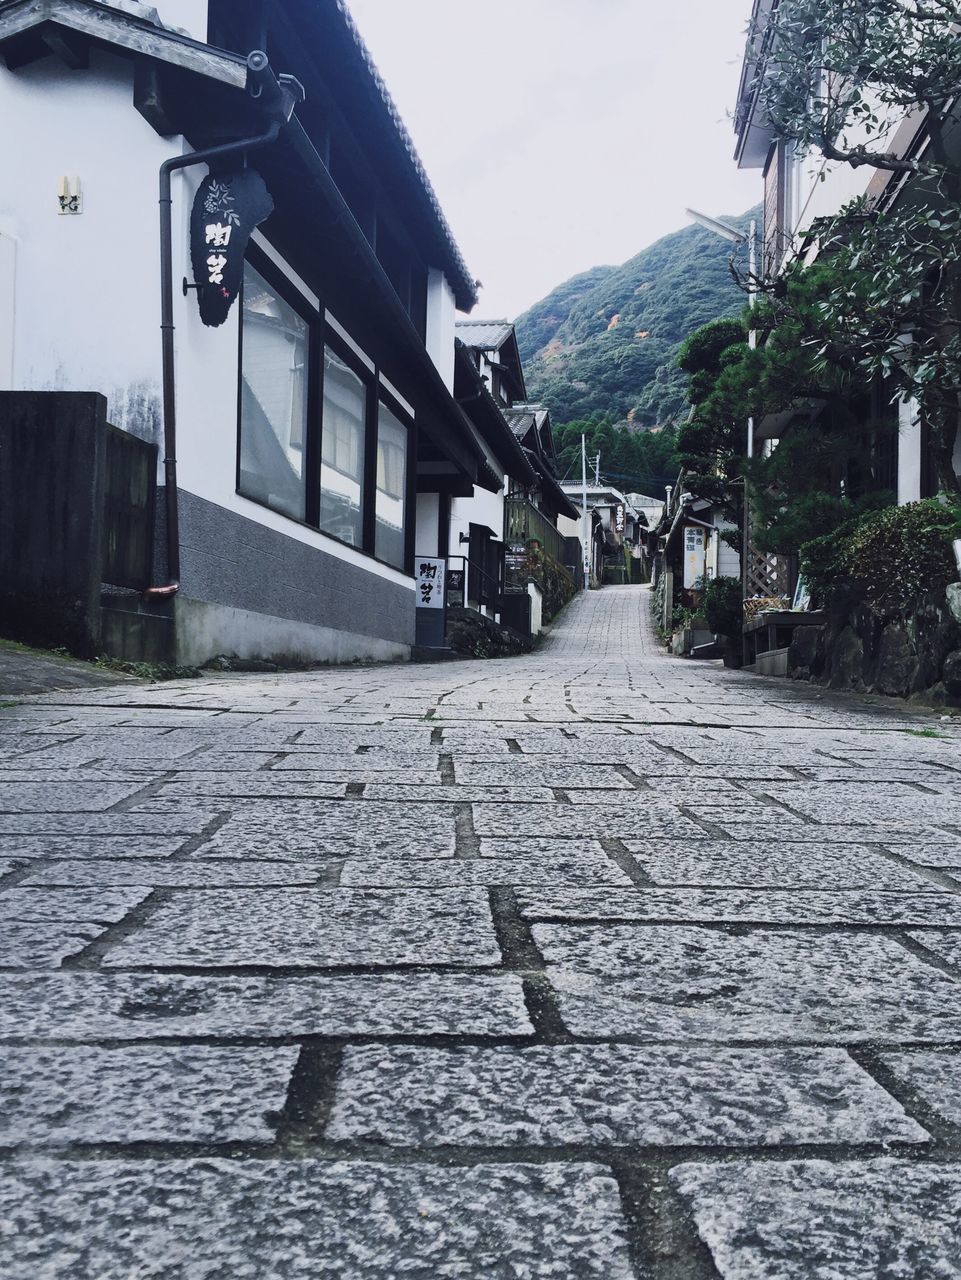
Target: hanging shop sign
226, 210
619, 517
430, 583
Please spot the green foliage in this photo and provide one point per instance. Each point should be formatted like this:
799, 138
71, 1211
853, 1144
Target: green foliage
636, 461
722, 607
892, 557
606, 342
838, 77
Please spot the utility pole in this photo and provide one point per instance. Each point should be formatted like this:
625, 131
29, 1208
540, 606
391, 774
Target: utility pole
597, 468
585, 529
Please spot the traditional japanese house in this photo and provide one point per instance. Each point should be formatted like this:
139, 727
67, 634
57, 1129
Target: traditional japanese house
281, 361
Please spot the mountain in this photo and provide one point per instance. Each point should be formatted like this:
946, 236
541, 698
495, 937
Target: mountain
606, 341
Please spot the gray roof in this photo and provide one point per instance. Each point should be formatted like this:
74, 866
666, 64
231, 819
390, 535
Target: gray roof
519, 422
484, 335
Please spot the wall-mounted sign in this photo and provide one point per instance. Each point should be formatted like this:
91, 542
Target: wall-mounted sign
455, 586
619, 517
694, 554
430, 582
225, 213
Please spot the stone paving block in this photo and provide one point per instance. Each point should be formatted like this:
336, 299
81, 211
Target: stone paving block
361, 772
93, 1006
314, 928
610, 1095
437, 872
349, 738
935, 1076
773, 862
437, 794
43, 946
745, 906
580, 821
541, 847
67, 797
53, 846
321, 763
471, 742
333, 829
547, 773
180, 1093
216, 786
946, 854
160, 873
144, 821
307, 1219
850, 1220
212, 760
838, 833
944, 943
664, 982
106, 904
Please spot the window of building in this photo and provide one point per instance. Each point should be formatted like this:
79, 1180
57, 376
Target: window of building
273, 399
343, 428
390, 509
316, 442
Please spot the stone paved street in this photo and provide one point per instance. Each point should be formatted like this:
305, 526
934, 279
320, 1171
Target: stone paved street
594, 963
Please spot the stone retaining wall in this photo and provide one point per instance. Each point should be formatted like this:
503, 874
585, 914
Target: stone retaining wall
904, 655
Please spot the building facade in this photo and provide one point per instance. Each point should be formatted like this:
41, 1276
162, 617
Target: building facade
318, 441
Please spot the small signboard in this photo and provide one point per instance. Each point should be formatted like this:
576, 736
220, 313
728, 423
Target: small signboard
455, 586
619, 517
694, 554
430, 582
226, 210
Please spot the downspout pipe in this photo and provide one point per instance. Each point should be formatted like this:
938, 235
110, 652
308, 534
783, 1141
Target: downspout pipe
262, 84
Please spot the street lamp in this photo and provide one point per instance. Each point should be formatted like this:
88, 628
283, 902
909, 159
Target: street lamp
732, 234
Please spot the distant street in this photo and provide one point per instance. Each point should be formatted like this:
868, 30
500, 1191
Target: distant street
592, 963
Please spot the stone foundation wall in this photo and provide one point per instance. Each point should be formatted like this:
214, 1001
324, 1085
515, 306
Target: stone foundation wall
903, 655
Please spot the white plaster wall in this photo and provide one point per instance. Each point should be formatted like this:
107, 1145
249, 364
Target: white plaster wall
537, 608
8, 280
427, 529
87, 295
728, 560
440, 325
909, 452
484, 508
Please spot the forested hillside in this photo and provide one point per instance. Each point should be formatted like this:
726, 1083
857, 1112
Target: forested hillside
605, 342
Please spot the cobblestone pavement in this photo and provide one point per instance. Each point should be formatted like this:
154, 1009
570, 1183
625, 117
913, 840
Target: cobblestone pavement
591, 963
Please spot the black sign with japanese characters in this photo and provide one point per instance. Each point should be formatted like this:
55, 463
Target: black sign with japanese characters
226, 211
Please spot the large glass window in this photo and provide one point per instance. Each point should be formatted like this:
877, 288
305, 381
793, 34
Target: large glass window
273, 404
391, 487
342, 451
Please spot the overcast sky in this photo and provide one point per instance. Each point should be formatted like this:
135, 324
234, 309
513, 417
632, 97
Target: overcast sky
561, 134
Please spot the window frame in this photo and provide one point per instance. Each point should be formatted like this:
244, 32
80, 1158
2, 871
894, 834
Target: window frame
320, 335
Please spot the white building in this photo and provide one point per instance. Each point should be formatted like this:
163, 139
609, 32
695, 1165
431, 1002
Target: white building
319, 417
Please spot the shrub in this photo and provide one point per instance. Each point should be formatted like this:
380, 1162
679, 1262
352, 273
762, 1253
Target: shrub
722, 606
892, 557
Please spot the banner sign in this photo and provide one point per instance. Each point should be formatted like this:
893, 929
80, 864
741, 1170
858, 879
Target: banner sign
225, 213
694, 554
430, 583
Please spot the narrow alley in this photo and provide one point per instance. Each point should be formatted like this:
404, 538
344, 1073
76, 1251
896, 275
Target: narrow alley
589, 963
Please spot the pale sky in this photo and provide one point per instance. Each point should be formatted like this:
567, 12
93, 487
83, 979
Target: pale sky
562, 134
